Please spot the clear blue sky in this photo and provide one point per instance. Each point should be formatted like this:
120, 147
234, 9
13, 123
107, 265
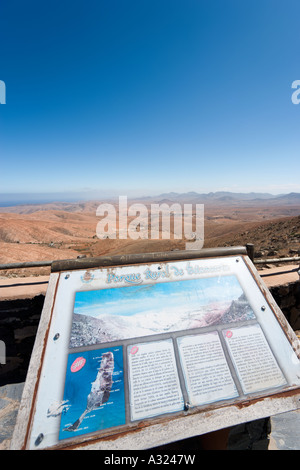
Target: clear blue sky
149, 95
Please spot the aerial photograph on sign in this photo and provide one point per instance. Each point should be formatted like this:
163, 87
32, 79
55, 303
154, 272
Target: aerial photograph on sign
114, 314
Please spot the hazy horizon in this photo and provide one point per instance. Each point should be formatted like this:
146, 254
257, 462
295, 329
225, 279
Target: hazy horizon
15, 199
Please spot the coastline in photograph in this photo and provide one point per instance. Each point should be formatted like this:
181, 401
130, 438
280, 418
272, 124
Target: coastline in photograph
114, 314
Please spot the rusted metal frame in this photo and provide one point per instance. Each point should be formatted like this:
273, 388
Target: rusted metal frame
93, 442
119, 260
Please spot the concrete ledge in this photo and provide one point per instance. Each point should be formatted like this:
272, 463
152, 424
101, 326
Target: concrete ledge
23, 287
282, 432
280, 275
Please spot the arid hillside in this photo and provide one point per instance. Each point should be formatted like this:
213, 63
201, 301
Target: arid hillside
277, 238
68, 230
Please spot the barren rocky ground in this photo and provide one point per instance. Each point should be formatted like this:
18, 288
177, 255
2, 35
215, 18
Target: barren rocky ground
64, 231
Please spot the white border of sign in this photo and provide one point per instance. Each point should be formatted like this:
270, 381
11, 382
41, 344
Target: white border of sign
46, 375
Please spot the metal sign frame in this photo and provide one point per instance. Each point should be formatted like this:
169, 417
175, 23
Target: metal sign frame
36, 428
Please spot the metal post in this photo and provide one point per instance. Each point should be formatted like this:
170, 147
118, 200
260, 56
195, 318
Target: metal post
250, 251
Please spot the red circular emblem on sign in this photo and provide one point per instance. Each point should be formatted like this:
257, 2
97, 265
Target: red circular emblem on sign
229, 334
78, 364
134, 350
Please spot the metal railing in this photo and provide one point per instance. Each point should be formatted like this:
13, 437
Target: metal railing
277, 260
146, 257
29, 264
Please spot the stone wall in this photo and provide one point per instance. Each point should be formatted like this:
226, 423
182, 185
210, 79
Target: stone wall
19, 320
288, 299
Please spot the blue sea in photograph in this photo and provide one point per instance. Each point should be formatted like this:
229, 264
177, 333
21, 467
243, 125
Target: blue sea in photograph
114, 314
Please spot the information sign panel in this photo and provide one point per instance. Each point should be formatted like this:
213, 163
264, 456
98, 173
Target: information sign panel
156, 343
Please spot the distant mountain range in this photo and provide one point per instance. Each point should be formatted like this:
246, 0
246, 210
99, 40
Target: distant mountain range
226, 197
218, 195
223, 198
89, 330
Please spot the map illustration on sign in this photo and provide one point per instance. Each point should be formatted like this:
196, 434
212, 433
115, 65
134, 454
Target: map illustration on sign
94, 392
112, 314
